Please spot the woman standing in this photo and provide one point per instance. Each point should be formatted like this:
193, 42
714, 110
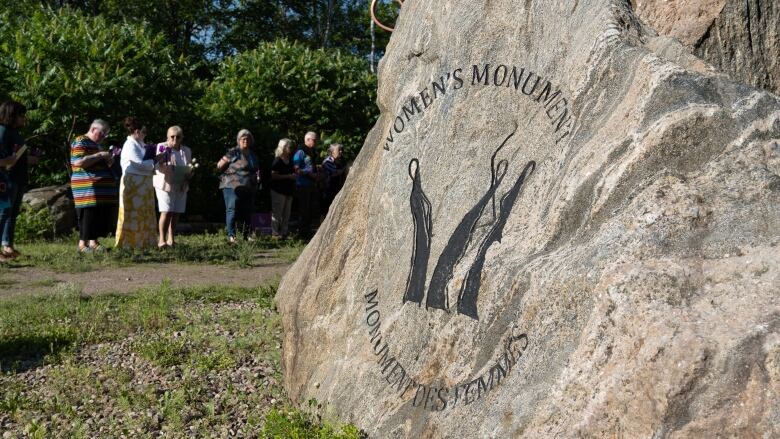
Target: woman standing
238, 182
335, 175
171, 183
93, 185
136, 226
282, 188
13, 166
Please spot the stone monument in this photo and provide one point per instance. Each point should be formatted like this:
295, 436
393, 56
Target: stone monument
740, 37
562, 225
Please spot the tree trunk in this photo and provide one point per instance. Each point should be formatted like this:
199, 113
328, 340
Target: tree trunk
372, 58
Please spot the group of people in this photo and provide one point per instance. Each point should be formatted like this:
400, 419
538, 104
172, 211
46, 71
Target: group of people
298, 177
294, 178
163, 171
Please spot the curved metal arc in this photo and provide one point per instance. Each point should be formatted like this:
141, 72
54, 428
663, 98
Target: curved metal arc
376, 20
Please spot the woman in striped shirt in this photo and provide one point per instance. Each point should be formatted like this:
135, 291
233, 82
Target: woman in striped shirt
93, 185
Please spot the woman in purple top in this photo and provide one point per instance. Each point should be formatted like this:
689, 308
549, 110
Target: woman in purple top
171, 183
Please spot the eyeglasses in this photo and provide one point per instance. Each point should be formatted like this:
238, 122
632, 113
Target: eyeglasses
175, 136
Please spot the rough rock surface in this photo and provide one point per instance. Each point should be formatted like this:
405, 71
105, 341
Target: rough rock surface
59, 201
508, 261
741, 37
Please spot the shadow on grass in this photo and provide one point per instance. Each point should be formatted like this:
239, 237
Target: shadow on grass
25, 352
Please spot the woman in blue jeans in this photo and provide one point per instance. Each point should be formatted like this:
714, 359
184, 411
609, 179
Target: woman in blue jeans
13, 181
240, 175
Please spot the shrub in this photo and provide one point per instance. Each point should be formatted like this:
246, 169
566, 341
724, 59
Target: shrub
284, 89
63, 64
299, 424
34, 225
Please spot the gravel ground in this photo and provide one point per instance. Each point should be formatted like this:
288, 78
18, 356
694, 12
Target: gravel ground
114, 390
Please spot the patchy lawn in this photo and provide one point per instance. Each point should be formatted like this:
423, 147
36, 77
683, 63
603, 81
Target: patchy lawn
160, 361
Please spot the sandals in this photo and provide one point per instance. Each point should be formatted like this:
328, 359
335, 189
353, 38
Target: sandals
97, 248
13, 253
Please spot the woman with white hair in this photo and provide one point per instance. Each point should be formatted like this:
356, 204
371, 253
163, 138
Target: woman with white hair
240, 175
282, 188
93, 185
171, 183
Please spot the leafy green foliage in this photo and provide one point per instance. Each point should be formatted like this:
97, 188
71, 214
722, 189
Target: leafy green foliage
295, 424
65, 65
33, 225
284, 89
73, 61
342, 24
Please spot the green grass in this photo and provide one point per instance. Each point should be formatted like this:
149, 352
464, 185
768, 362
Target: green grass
177, 354
44, 283
294, 424
61, 255
7, 282
37, 329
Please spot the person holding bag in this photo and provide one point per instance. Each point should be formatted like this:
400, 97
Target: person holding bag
171, 183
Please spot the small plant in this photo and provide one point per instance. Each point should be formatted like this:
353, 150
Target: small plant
34, 225
11, 401
292, 423
164, 352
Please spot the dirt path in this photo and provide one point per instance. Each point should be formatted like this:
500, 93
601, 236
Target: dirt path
28, 280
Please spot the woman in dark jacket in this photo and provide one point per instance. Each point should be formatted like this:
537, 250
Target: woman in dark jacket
14, 160
335, 174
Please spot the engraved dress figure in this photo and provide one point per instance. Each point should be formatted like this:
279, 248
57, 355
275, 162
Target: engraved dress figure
459, 240
423, 229
467, 301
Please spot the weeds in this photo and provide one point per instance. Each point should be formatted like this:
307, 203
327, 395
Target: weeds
298, 424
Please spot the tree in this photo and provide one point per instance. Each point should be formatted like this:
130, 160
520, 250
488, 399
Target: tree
341, 24
63, 64
284, 89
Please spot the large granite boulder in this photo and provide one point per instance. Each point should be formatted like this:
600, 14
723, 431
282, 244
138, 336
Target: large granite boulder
741, 37
560, 226
59, 201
